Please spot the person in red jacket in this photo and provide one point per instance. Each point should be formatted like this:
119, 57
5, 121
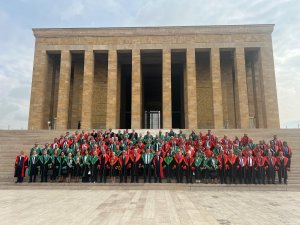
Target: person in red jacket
123, 161
270, 168
158, 167
231, 161
241, 165
188, 167
245, 140
21, 165
287, 152
222, 158
260, 168
250, 166
103, 163
282, 163
135, 165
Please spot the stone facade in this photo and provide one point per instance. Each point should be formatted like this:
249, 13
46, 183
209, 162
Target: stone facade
228, 76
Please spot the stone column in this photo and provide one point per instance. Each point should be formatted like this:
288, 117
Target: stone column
216, 88
63, 91
38, 95
166, 90
87, 93
271, 115
241, 88
136, 90
112, 84
190, 90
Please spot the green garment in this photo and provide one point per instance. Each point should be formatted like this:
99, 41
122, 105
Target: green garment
30, 162
87, 161
38, 151
198, 161
118, 152
144, 157
174, 149
94, 159
208, 164
216, 151
168, 160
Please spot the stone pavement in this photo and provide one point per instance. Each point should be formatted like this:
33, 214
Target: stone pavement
148, 207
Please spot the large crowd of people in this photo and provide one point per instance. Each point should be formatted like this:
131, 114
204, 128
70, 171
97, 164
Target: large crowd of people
105, 156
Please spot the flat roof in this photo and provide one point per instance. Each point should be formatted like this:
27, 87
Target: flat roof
153, 31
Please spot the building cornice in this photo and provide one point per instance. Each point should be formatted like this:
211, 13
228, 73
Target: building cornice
153, 31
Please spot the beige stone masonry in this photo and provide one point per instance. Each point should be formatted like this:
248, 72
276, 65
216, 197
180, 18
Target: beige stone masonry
64, 91
166, 90
136, 91
241, 89
112, 84
216, 88
87, 94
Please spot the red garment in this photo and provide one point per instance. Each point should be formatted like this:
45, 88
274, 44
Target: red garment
137, 157
259, 163
208, 153
25, 163
126, 160
231, 159
161, 168
285, 161
273, 160
185, 159
177, 159
245, 140
219, 158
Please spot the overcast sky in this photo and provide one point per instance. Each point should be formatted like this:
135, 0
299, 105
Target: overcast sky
18, 17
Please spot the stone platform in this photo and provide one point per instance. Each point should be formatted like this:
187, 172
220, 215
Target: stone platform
114, 206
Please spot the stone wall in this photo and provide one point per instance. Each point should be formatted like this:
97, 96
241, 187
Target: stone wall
100, 92
228, 93
204, 91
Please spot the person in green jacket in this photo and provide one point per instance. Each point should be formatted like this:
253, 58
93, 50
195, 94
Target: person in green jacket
211, 166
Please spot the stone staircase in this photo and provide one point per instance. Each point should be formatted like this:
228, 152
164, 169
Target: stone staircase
13, 141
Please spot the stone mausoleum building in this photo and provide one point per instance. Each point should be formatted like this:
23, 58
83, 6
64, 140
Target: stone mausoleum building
154, 77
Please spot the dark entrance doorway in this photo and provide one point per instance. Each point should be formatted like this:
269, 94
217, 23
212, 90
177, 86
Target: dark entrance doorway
151, 69
177, 79
125, 71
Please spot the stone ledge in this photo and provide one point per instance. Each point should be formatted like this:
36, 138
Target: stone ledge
152, 31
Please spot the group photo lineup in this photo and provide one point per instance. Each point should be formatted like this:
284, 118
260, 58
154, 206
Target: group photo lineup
105, 156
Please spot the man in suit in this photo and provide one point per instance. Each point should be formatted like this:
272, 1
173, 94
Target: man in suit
147, 160
282, 163
21, 165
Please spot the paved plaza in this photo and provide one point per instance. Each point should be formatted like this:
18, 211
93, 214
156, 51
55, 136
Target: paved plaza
46, 206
